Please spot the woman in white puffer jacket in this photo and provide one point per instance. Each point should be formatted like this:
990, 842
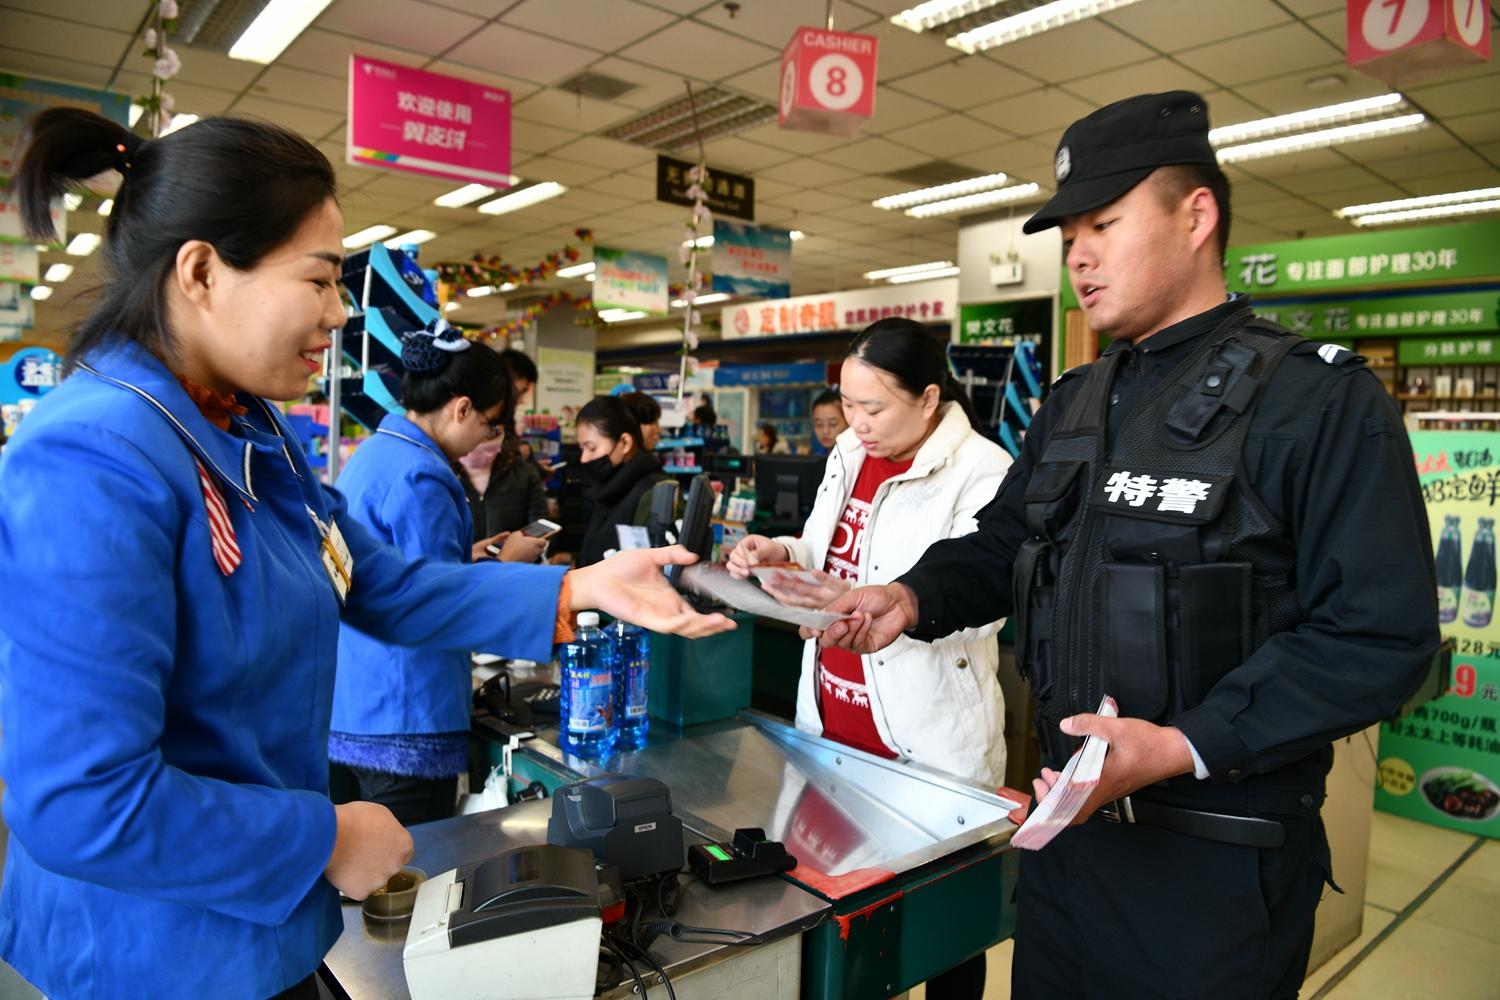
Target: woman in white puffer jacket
910, 470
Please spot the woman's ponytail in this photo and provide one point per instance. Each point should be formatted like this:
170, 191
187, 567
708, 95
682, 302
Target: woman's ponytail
953, 392
64, 148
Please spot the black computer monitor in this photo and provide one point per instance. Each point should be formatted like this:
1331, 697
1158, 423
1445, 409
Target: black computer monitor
785, 487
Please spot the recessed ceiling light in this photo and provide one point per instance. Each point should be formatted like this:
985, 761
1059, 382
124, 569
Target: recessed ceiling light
524, 198
1032, 22
84, 244
365, 236
941, 191
480, 292
465, 195
1322, 138
508, 286
902, 279
58, 273
797, 235
274, 28
1325, 81
450, 306
969, 202
702, 300
1437, 212
106, 206
414, 237
136, 111
1333, 114
576, 270
1425, 201
890, 272
41, 293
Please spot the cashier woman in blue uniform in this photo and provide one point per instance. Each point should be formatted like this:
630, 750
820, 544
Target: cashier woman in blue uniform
176, 580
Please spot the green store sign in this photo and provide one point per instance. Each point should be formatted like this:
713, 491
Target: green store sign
1396, 315
1363, 259
1027, 319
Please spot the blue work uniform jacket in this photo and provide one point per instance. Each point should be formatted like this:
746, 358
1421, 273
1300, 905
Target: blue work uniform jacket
166, 724
403, 491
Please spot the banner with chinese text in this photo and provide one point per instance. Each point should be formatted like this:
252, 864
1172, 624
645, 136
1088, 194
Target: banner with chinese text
1441, 763
625, 279
1388, 315
752, 261
924, 301
1366, 259
426, 123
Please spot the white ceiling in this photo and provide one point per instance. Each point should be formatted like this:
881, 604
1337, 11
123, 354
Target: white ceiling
1000, 110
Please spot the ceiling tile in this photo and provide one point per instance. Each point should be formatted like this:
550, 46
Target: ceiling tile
306, 121
1045, 112
653, 86
893, 109
874, 154
297, 86
1293, 164
903, 52
742, 156
950, 135
774, 23
519, 89
49, 36
1413, 170
763, 82
569, 110
1285, 94
1463, 97
1337, 179
534, 137
965, 82
1174, 25
692, 49
682, 6
1274, 52
328, 52
1150, 77
1310, 8
1476, 128
116, 16
1227, 107
550, 168
500, 48
813, 201
405, 24
792, 140
601, 24
808, 173
59, 68
596, 151
1054, 54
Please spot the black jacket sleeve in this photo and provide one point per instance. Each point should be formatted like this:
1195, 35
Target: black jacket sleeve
1366, 587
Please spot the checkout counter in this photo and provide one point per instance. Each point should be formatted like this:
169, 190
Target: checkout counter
902, 872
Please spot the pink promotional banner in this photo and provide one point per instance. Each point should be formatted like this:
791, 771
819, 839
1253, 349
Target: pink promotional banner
426, 123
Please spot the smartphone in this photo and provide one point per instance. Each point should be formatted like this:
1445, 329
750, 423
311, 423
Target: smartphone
557, 465
541, 528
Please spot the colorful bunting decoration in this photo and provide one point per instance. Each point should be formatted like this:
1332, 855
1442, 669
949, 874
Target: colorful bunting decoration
530, 314
481, 271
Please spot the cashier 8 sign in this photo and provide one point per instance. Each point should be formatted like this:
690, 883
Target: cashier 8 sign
836, 82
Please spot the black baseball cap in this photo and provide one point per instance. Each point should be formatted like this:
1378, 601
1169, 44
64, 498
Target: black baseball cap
1105, 154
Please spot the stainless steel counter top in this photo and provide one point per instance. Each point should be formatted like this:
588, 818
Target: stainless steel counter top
366, 961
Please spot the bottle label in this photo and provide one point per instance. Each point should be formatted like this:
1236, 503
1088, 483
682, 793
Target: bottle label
590, 700
1479, 607
1447, 603
635, 689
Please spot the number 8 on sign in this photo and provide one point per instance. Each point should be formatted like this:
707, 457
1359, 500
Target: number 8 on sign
836, 81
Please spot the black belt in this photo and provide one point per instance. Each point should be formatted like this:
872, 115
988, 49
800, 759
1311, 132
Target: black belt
1247, 831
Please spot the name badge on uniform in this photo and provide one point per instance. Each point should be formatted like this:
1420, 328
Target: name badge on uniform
338, 563
1161, 496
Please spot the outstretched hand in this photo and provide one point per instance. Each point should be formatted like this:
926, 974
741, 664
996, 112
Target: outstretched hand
1140, 754
798, 593
630, 585
871, 618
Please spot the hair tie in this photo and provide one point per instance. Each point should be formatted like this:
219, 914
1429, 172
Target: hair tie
126, 149
426, 351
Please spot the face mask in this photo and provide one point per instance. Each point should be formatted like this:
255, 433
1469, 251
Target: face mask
483, 456
597, 470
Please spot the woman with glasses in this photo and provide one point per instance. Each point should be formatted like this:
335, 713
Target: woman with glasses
401, 715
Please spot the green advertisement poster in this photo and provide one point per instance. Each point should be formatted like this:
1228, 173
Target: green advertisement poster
1390, 315
1371, 258
1001, 322
1441, 763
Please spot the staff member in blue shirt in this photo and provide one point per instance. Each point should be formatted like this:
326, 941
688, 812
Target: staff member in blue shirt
167, 645
401, 715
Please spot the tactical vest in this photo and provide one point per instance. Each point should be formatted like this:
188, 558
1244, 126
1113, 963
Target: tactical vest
1152, 570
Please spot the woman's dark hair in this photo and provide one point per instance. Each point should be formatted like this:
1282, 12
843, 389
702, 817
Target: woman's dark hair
904, 350
520, 364
478, 373
242, 186
611, 417
770, 432
828, 397
646, 409
704, 414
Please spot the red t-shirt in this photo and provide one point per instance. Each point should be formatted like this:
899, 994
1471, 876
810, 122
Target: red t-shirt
843, 698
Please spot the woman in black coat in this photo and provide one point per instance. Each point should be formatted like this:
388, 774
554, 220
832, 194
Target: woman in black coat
618, 474
504, 490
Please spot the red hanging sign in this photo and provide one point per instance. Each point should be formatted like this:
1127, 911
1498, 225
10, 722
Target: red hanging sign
1401, 41
827, 81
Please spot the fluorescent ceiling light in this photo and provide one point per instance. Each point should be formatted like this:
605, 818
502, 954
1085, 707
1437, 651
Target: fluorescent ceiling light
888, 272
942, 191
413, 238
524, 198
106, 206
969, 202
84, 244
450, 306
797, 235
1333, 114
1437, 212
508, 286
136, 111
925, 16
576, 270
902, 279
465, 195
480, 292
588, 277
620, 315
41, 293
72, 200
1426, 201
702, 300
1322, 138
277, 26
58, 273
365, 236
1032, 22
179, 122
702, 242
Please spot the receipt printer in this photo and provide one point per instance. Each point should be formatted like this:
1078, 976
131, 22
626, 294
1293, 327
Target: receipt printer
624, 820
521, 926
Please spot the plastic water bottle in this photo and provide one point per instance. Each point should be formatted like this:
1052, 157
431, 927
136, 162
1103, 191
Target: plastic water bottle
588, 690
633, 652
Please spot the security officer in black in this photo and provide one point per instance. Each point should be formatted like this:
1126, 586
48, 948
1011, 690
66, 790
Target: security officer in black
1219, 525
